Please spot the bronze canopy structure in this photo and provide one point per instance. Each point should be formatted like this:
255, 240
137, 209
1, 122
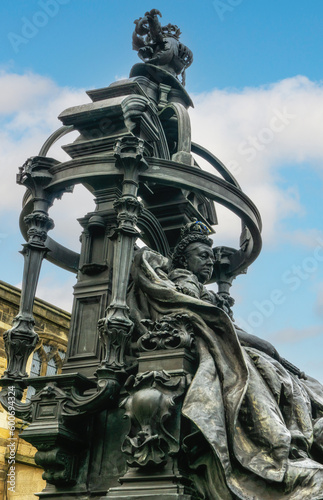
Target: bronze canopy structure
162, 396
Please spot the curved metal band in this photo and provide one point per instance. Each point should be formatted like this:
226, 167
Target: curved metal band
215, 162
164, 172
216, 189
152, 228
55, 136
184, 124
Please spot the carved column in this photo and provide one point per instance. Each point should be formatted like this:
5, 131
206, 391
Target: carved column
21, 339
115, 329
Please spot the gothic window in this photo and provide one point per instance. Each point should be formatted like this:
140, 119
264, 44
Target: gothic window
51, 367
35, 365
34, 372
61, 355
47, 360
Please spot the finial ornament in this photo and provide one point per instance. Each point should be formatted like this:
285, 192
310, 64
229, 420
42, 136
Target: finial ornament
160, 46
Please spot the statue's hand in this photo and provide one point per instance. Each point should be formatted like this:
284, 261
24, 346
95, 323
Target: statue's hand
186, 291
224, 303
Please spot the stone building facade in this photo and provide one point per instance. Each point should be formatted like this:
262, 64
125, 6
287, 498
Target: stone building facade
52, 326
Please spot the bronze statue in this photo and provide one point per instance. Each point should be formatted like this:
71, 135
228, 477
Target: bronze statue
212, 412
256, 425
160, 45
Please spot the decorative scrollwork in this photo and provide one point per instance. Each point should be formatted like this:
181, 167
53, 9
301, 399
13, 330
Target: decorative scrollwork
105, 397
38, 226
129, 147
60, 465
114, 335
19, 341
18, 409
170, 332
35, 174
153, 410
128, 210
59, 438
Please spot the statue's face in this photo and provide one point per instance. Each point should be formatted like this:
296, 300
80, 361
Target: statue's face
199, 259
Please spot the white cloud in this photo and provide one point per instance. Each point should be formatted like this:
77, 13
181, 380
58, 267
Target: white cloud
65, 213
293, 335
23, 92
256, 131
57, 290
55, 286
29, 106
309, 238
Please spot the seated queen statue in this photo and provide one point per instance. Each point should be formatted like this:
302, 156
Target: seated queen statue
258, 421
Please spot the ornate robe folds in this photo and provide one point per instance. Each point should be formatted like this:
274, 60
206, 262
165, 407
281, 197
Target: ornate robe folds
259, 428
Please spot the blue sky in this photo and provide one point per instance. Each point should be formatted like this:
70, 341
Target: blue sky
256, 64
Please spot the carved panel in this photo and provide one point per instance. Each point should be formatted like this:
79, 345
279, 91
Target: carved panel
154, 411
87, 313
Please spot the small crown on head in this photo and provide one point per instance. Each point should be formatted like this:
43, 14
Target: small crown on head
171, 30
194, 227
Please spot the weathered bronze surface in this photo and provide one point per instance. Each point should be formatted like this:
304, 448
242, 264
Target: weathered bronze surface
257, 426
162, 395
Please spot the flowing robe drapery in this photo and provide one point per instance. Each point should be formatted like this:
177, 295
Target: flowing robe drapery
262, 424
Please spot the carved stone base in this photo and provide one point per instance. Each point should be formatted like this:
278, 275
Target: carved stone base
54, 493
152, 486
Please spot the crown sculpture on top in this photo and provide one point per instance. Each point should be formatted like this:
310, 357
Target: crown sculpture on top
159, 45
162, 395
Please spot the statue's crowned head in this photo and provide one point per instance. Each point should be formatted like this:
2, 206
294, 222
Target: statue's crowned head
194, 239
